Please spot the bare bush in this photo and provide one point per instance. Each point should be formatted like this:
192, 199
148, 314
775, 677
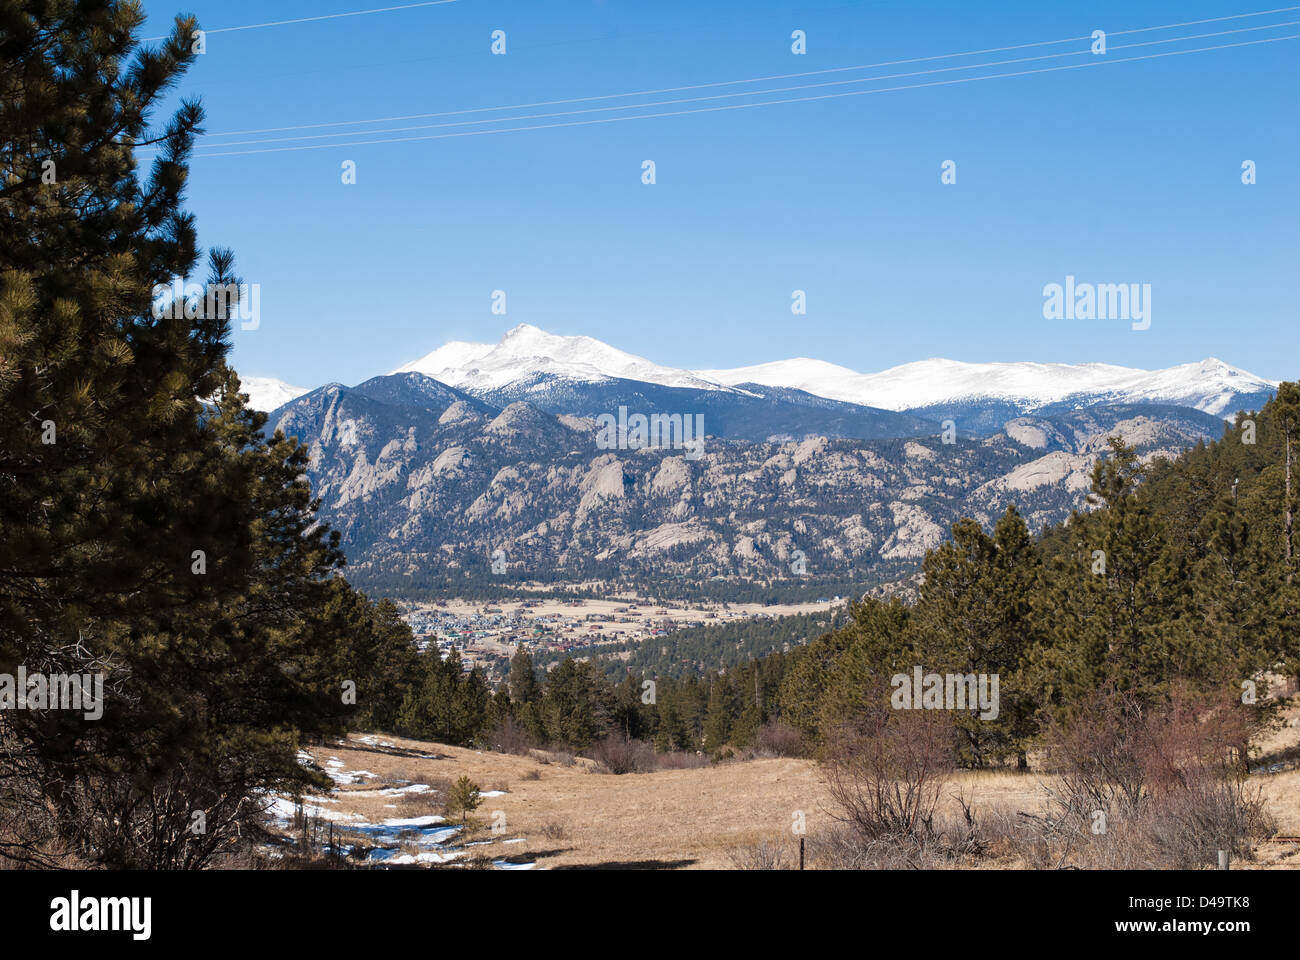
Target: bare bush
510, 737
619, 754
760, 855
397, 776
886, 770
1147, 786
424, 803
777, 739
71, 812
952, 839
681, 760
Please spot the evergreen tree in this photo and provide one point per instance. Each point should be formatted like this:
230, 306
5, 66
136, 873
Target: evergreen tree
630, 715
463, 798
750, 719
1286, 415
577, 705
973, 618
470, 707
431, 709
671, 732
721, 714
524, 687
146, 536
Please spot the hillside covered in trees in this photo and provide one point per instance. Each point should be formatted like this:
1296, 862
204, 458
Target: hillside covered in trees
1181, 575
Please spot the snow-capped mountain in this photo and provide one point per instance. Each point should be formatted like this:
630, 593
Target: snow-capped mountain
267, 393
1210, 386
583, 376
426, 482
526, 351
529, 362
476, 446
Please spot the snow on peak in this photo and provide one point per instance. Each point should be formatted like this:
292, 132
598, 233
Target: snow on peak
267, 393
526, 351
1209, 385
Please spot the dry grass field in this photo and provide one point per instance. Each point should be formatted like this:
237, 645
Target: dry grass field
552, 811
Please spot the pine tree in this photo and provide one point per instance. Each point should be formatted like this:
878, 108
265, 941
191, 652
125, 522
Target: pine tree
872, 648
1286, 414
577, 704
671, 732
147, 536
470, 707
446, 705
721, 714
630, 716
523, 677
973, 618
462, 799
749, 684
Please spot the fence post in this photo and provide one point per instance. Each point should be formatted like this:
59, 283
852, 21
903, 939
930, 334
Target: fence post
1223, 859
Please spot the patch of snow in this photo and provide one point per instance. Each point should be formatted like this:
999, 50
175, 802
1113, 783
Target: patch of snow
414, 821
424, 856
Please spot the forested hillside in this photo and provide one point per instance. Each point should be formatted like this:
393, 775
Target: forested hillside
1179, 576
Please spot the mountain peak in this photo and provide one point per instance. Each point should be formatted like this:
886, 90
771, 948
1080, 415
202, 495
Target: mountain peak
523, 330
268, 393
526, 351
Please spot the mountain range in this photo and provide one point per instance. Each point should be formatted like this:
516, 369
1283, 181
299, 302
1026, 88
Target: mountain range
509, 452
581, 375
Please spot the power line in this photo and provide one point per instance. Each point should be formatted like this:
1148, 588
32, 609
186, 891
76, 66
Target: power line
327, 16
723, 96
471, 52
742, 106
782, 76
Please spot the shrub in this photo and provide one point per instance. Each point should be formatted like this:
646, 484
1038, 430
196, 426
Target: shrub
619, 754
510, 737
779, 740
887, 769
1147, 785
761, 855
681, 760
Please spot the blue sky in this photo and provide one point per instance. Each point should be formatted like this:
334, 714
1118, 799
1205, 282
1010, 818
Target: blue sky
1117, 173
